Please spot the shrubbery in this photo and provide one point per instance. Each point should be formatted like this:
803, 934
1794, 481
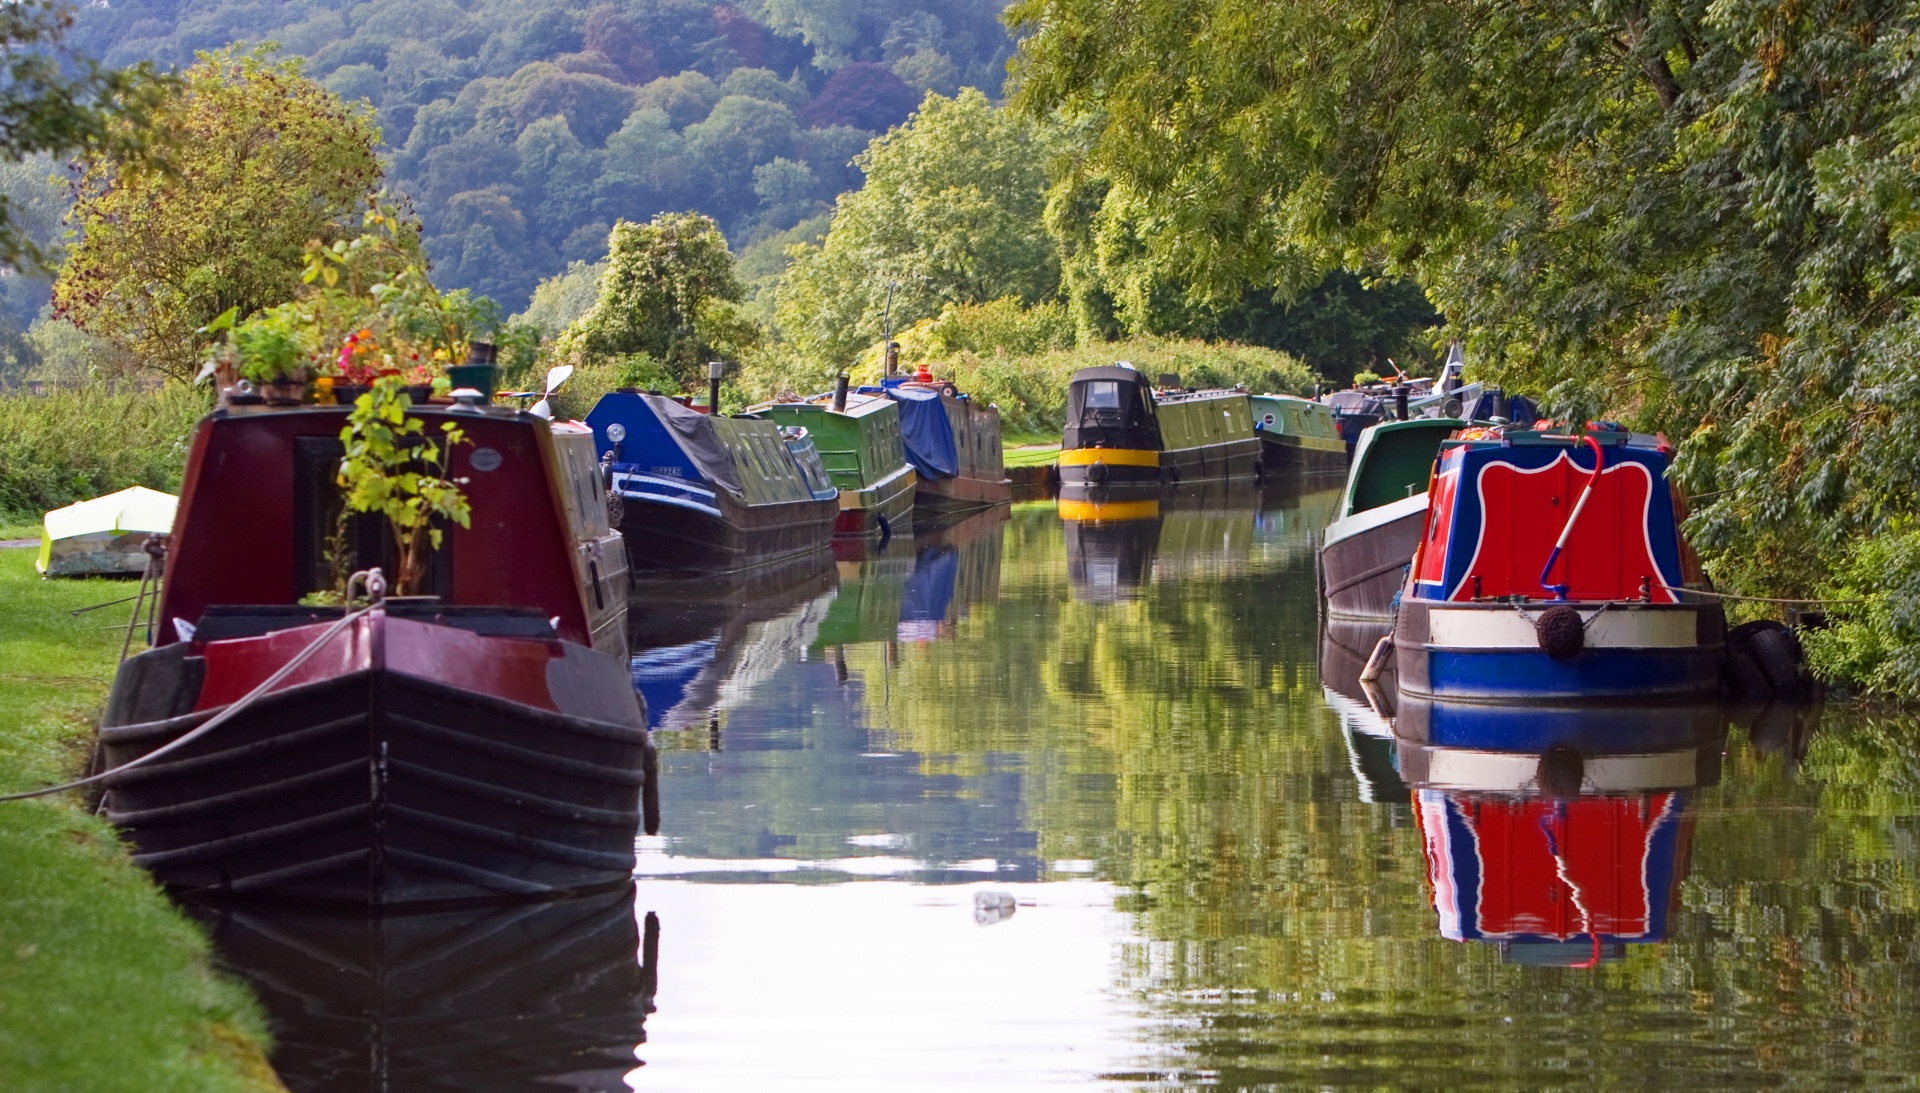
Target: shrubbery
67, 446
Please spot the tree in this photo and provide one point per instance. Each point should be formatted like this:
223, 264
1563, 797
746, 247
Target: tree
263, 161
59, 102
739, 134
950, 213
666, 293
865, 96
1698, 218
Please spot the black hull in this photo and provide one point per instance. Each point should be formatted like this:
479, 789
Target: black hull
1231, 461
1361, 572
379, 789
663, 538
551, 995
1285, 455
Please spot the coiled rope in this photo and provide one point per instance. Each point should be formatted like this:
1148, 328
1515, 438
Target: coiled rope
376, 585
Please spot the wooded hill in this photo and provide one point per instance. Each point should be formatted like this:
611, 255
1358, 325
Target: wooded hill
522, 130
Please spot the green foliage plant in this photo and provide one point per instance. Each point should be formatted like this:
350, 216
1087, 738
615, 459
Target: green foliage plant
62, 102
950, 214
71, 444
262, 160
668, 292
392, 467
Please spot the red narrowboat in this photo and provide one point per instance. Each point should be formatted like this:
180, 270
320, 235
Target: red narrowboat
479, 741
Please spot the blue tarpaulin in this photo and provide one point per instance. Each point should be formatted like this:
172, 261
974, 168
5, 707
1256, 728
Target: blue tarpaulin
927, 432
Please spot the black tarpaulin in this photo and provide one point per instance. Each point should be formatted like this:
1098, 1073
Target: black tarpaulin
693, 432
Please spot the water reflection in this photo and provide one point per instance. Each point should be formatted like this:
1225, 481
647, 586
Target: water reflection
552, 995
1229, 865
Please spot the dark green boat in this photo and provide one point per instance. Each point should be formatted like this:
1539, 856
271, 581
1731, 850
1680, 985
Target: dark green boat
861, 447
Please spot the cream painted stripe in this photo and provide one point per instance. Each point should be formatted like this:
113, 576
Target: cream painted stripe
1616, 628
1489, 771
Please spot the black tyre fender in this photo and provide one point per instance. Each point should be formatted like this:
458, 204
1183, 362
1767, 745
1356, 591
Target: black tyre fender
1739, 636
1097, 471
1778, 655
650, 790
886, 529
1173, 473
1259, 471
1745, 681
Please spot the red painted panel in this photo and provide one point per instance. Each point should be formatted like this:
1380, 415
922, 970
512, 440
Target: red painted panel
1523, 513
238, 666
1433, 549
509, 668
1562, 869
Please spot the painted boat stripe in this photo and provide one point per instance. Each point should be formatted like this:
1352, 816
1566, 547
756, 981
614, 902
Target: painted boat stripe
1117, 457
1617, 628
678, 502
1510, 772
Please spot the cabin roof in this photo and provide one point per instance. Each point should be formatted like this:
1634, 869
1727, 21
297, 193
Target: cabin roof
1108, 372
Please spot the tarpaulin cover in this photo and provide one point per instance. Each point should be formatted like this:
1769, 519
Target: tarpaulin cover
927, 432
693, 431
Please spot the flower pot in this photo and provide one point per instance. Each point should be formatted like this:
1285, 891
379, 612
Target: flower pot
284, 391
346, 393
481, 377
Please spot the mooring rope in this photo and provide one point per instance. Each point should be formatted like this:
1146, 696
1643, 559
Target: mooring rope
1749, 599
376, 587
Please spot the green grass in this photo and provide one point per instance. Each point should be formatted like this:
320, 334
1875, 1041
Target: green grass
104, 986
18, 525
1038, 455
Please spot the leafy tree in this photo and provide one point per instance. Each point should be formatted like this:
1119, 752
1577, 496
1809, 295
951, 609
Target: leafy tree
740, 133
61, 102
865, 96
665, 293
950, 213
687, 98
264, 160
563, 298
1696, 217
645, 167
616, 38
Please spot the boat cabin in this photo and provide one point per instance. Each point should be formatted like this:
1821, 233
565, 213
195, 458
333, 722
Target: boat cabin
262, 523
1110, 408
1503, 501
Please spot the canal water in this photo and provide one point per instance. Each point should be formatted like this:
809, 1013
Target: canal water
1036, 803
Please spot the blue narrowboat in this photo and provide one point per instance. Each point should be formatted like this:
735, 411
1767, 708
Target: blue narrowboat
708, 495
1550, 568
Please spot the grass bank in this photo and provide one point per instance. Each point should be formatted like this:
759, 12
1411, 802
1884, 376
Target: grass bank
103, 985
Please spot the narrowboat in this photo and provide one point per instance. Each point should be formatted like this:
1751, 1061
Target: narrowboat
1551, 569
546, 995
479, 741
954, 446
1564, 855
1364, 554
1123, 435
699, 494
858, 438
1300, 436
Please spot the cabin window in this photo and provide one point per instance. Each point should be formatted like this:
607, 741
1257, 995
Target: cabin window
1103, 395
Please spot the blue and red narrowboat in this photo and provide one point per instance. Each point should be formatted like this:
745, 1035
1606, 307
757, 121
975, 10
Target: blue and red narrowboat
1551, 568
480, 740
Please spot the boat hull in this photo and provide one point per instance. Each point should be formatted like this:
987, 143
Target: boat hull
1122, 469
1364, 558
1292, 455
881, 510
1488, 652
381, 773
723, 536
948, 497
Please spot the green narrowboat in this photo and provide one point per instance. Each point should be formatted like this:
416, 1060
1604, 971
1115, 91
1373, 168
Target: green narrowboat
860, 444
1299, 435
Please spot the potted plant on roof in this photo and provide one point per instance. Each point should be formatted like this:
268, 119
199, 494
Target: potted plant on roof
394, 468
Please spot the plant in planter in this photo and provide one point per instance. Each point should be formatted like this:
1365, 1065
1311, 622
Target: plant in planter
394, 468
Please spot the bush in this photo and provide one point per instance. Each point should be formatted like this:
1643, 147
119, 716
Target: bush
1874, 644
1031, 388
67, 446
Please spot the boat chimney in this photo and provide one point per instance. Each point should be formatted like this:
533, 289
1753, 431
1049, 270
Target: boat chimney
840, 392
714, 371
1499, 414
1400, 401
893, 357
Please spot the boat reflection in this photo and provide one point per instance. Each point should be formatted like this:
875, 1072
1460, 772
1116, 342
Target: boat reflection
1560, 835
696, 643
1116, 545
1345, 646
917, 589
544, 995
